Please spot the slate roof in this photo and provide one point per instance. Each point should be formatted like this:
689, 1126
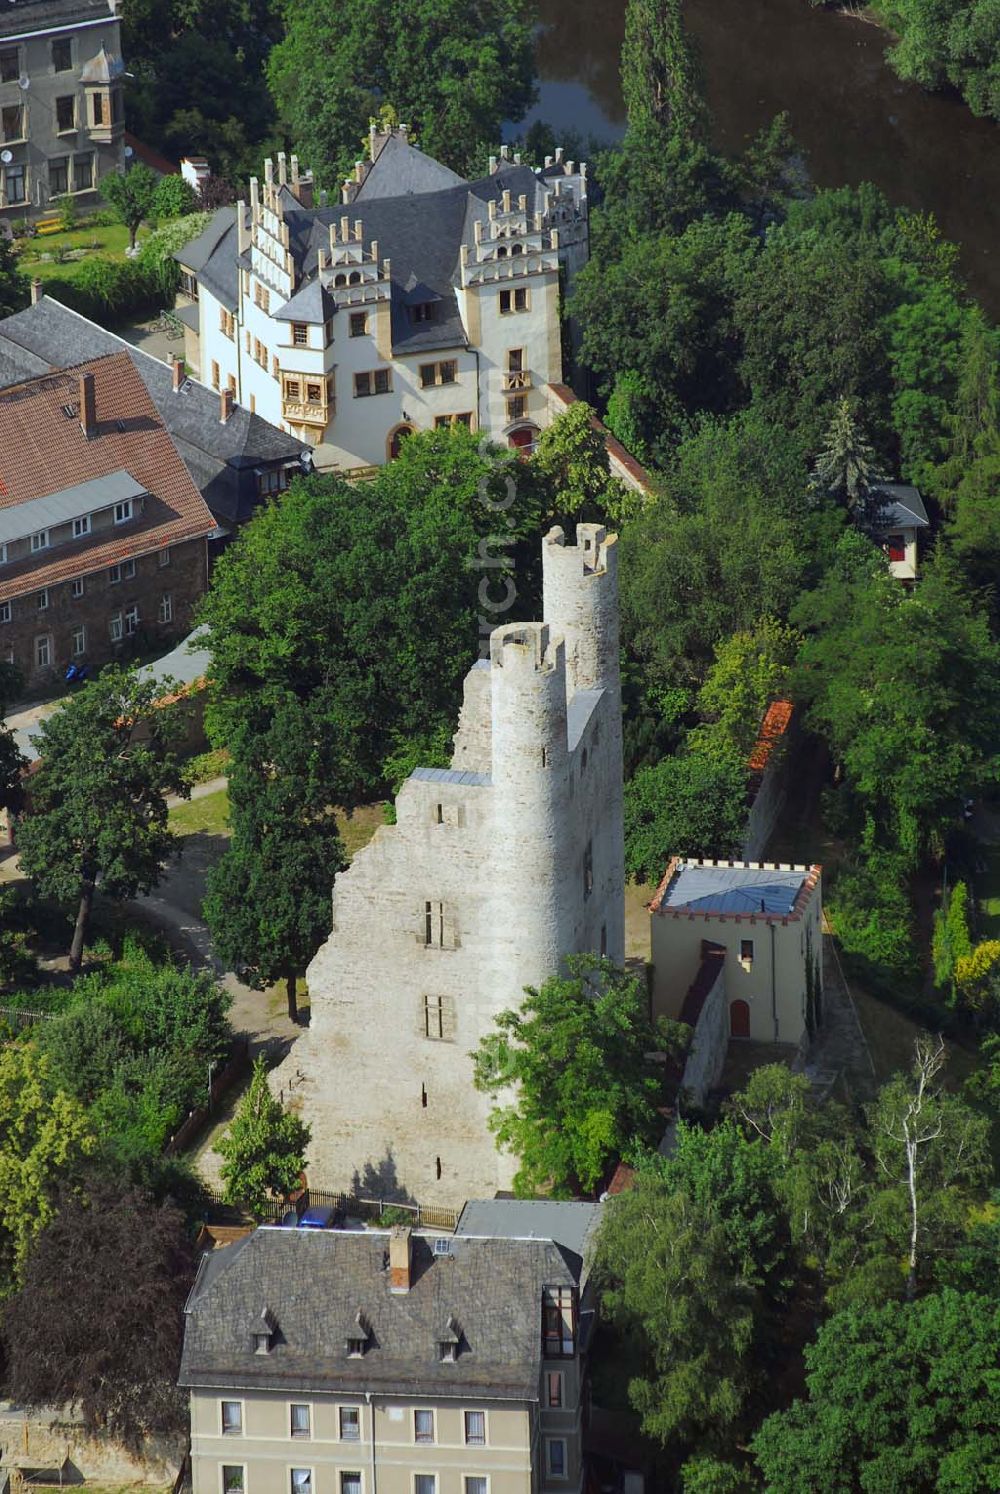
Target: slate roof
453, 775
212, 256
400, 169
316, 1281
50, 336
738, 888
43, 15
569, 1225
43, 450
904, 508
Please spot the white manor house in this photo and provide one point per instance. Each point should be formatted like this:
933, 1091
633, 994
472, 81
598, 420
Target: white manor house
418, 302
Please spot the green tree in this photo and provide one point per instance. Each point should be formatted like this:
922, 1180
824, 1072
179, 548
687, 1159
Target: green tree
15, 292
12, 760
111, 1351
952, 939
264, 1149
669, 1282
268, 900
846, 470
571, 464
452, 73
751, 670
660, 75
578, 1053
173, 197
132, 196
16, 964
44, 1138
99, 809
691, 804
901, 1396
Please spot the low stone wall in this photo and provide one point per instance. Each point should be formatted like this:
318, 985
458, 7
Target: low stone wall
54, 1440
707, 1054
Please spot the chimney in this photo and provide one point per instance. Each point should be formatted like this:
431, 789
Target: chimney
37, 292
177, 370
400, 1259
88, 406
226, 401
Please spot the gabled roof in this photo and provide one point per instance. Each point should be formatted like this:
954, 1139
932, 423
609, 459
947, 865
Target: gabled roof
401, 170
317, 1281
23, 16
569, 1225
49, 336
43, 451
903, 509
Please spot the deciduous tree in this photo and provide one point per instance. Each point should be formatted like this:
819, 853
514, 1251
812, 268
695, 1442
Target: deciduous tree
132, 196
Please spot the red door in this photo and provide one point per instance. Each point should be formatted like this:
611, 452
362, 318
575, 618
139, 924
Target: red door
739, 1019
523, 439
398, 437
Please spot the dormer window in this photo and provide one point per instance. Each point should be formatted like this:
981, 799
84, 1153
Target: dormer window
448, 1342
39, 541
357, 1336
422, 312
123, 511
264, 1332
81, 526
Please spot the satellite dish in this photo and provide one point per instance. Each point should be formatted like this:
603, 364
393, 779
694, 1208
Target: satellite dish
24, 82
6, 156
129, 152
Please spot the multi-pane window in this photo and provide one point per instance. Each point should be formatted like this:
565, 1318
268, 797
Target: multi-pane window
216, 376
517, 407
234, 1478
434, 924
123, 511
425, 1483
42, 599
114, 574
554, 1390
358, 326
81, 526
555, 1449
6, 612
300, 334
165, 613
43, 652
301, 1420
475, 1484
65, 113
422, 312
475, 1428
98, 110
434, 1017
59, 175
445, 422
131, 618
12, 121
513, 300
227, 323
39, 541
301, 1481
115, 628
78, 641
3, 554
379, 381
83, 172
350, 1424
128, 569
515, 360
558, 1322
270, 483
14, 184
164, 557
438, 373
350, 1483
232, 1418
423, 1426
62, 55
9, 65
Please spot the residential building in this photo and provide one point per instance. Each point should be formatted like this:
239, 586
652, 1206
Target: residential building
62, 118
362, 1362
236, 459
901, 522
495, 870
420, 301
757, 928
103, 534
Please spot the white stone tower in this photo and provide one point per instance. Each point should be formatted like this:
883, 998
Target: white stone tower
496, 869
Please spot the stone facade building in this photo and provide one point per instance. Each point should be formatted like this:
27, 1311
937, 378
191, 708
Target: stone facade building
496, 869
420, 301
357, 1362
103, 534
62, 118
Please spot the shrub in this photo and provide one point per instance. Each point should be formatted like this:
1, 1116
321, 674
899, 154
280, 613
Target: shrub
869, 908
156, 254
173, 198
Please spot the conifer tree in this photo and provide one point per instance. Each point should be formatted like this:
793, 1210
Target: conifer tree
264, 1148
846, 469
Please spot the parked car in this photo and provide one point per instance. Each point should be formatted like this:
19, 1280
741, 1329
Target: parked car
320, 1216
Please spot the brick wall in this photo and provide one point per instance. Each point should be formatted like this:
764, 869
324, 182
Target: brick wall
184, 580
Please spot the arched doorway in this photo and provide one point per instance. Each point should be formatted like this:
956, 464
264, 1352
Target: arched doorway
396, 439
522, 438
739, 1019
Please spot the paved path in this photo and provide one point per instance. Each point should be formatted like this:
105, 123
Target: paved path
840, 1053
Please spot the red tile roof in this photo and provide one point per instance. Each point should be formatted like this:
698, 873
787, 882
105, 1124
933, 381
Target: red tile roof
43, 451
616, 451
776, 722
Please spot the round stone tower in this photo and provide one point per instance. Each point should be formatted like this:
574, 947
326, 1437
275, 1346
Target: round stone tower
580, 589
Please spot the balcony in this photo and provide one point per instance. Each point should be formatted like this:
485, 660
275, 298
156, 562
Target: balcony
308, 412
516, 383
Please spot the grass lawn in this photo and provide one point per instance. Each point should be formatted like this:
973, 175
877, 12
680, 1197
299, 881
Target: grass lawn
357, 829
39, 257
208, 815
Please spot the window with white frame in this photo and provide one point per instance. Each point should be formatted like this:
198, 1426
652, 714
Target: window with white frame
301, 1419
81, 526
6, 612
232, 1418
166, 609
131, 618
425, 1483
43, 652
116, 628
234, 1478
39, 541
114, 574
78, 587
423, 1426
42, 599
164, 557
3, 554
301, 1481
555, 1456
350, 1483
123, 511
78, 641
475, 1428
350, 1424
128, 569
475, 1484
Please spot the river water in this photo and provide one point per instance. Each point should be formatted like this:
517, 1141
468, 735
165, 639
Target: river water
854, 118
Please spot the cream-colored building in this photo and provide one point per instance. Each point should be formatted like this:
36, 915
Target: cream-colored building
759, 925
902, 521
364, 1362
418, 301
